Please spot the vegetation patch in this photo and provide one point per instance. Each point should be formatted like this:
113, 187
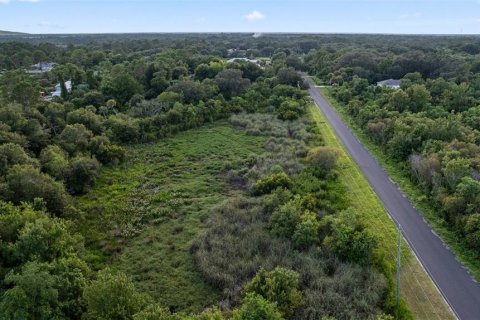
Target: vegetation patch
155, 203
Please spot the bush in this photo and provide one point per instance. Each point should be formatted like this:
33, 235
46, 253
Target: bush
290, 110
75, 138
123, 129
306, 231
82, 174
349, 240
322, 159
112, 296
105, 152
272, 182
279, 286
472, 231
284, 220
54, 161
12, 154
25, 183
257, 308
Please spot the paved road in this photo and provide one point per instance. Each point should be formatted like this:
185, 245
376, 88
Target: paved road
459, 289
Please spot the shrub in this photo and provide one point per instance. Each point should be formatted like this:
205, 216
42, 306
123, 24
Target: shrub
156, 312
290, 110
112, 296
82, 174
284, 220
54, 161
272, 182
257, 308
75, 138
12, 154
123, 129
306, 231
322, 158
472, 231
25, 183
279, 286
349, 240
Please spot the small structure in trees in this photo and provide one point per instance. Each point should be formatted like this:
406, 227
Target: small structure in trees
390, 83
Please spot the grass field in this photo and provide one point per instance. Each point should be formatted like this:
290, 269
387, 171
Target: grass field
417, 289
155, 203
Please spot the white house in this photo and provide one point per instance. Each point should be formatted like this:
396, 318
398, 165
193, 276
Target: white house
44, 66
58, 89
244, 59
390, 83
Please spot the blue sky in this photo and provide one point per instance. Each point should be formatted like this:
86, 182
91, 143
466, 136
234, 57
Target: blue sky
323, 16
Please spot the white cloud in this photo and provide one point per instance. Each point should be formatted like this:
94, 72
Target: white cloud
4, 1
255, 15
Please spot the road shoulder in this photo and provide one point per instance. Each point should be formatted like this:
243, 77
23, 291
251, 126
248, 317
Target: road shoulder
417, 289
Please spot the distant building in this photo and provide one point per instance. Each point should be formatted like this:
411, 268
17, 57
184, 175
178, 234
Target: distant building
58, 89
244, 59
43, 66
390, 83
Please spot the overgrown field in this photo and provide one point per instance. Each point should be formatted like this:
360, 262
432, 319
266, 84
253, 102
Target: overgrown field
194, 218
156, 203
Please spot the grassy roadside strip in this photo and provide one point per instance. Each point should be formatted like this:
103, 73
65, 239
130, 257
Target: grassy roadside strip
426, 208
418, 291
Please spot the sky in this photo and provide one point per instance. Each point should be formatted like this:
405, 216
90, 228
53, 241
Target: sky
312, 16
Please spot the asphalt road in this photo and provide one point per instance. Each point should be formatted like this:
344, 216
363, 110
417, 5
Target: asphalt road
452, 279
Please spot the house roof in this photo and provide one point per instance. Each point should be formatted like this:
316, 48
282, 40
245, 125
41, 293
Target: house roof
390, 83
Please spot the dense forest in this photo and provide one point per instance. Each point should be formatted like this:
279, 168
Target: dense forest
181, 177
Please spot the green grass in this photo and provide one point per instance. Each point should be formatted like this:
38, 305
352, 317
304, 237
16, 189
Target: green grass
142, 216
416, 195
417, 289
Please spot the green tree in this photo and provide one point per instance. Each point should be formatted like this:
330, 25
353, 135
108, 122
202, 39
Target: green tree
25, 183
123, 129
44, 240
54, 161
113, 296
32, 295
419, 97
82, 174
472, 231
231, 83
289, 76
12, 154
75, 139
121, 87
88, 118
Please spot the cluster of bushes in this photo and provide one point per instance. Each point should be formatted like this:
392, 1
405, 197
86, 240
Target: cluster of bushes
293, 226
429, 127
